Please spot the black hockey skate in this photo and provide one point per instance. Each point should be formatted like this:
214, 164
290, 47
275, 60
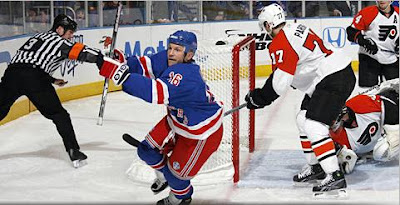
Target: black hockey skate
172, 200
309, 174
334, 185
77, 157
158, 186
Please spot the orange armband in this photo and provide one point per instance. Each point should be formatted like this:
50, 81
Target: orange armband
75, 51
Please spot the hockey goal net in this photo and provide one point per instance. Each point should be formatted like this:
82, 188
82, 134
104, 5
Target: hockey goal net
229, 71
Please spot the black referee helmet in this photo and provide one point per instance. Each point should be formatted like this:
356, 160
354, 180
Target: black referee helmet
64, 21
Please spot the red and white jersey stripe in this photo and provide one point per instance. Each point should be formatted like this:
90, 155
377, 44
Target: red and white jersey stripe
199, 131
145, 64
181, 192
160, 92
193, 159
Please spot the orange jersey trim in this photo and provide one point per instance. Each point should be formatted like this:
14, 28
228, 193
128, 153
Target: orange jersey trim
324, 148
306, 145
75, 51
288, 61
367, 14
340, 136
365, 104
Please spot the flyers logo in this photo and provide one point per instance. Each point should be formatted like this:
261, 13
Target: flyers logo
368, 133
387, 31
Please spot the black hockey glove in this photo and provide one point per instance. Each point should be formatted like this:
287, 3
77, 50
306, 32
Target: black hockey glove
367, 43
254, 99
261, 97
396, 48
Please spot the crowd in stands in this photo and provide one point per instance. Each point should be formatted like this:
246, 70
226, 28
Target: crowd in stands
37, 13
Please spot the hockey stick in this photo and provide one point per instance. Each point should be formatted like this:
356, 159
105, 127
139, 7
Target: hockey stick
235, 109
134, 142
130, 140
383, 83
369, 89
106, 80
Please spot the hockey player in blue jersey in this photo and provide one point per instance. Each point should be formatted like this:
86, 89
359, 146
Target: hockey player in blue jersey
192, 129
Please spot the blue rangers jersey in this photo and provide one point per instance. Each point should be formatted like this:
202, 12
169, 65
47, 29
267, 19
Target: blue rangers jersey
192, 110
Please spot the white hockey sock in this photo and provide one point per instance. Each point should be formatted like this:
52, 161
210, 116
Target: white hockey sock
322, 145
305, 141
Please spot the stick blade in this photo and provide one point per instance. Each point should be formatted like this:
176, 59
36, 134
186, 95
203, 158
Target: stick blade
130, 140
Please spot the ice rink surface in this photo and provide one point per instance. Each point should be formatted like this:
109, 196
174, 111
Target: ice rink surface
34, 167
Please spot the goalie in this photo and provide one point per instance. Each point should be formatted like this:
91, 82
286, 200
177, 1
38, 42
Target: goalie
368, 123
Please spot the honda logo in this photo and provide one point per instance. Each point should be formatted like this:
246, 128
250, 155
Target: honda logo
335, 35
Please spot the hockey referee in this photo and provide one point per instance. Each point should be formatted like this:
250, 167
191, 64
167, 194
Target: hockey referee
29, 73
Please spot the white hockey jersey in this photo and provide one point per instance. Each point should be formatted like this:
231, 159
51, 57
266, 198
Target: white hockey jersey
383, 30
301, 59
369, 112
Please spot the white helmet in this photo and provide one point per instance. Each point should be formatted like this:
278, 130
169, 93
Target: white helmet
273, 14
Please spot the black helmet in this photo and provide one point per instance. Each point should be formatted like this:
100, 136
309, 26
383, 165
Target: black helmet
64, 21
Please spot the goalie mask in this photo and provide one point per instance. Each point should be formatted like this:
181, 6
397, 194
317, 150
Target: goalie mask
184, 38
270, 17
346, 118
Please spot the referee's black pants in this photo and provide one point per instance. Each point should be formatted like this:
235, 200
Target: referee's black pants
37, 86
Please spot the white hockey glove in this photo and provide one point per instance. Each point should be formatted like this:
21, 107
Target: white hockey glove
387, 148
347, 159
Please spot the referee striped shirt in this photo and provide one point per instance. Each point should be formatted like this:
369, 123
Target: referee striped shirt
48, 50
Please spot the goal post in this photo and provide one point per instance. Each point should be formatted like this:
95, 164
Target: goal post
250, 43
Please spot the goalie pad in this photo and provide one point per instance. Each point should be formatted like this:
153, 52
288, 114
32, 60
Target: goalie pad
387, 148
347, 159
